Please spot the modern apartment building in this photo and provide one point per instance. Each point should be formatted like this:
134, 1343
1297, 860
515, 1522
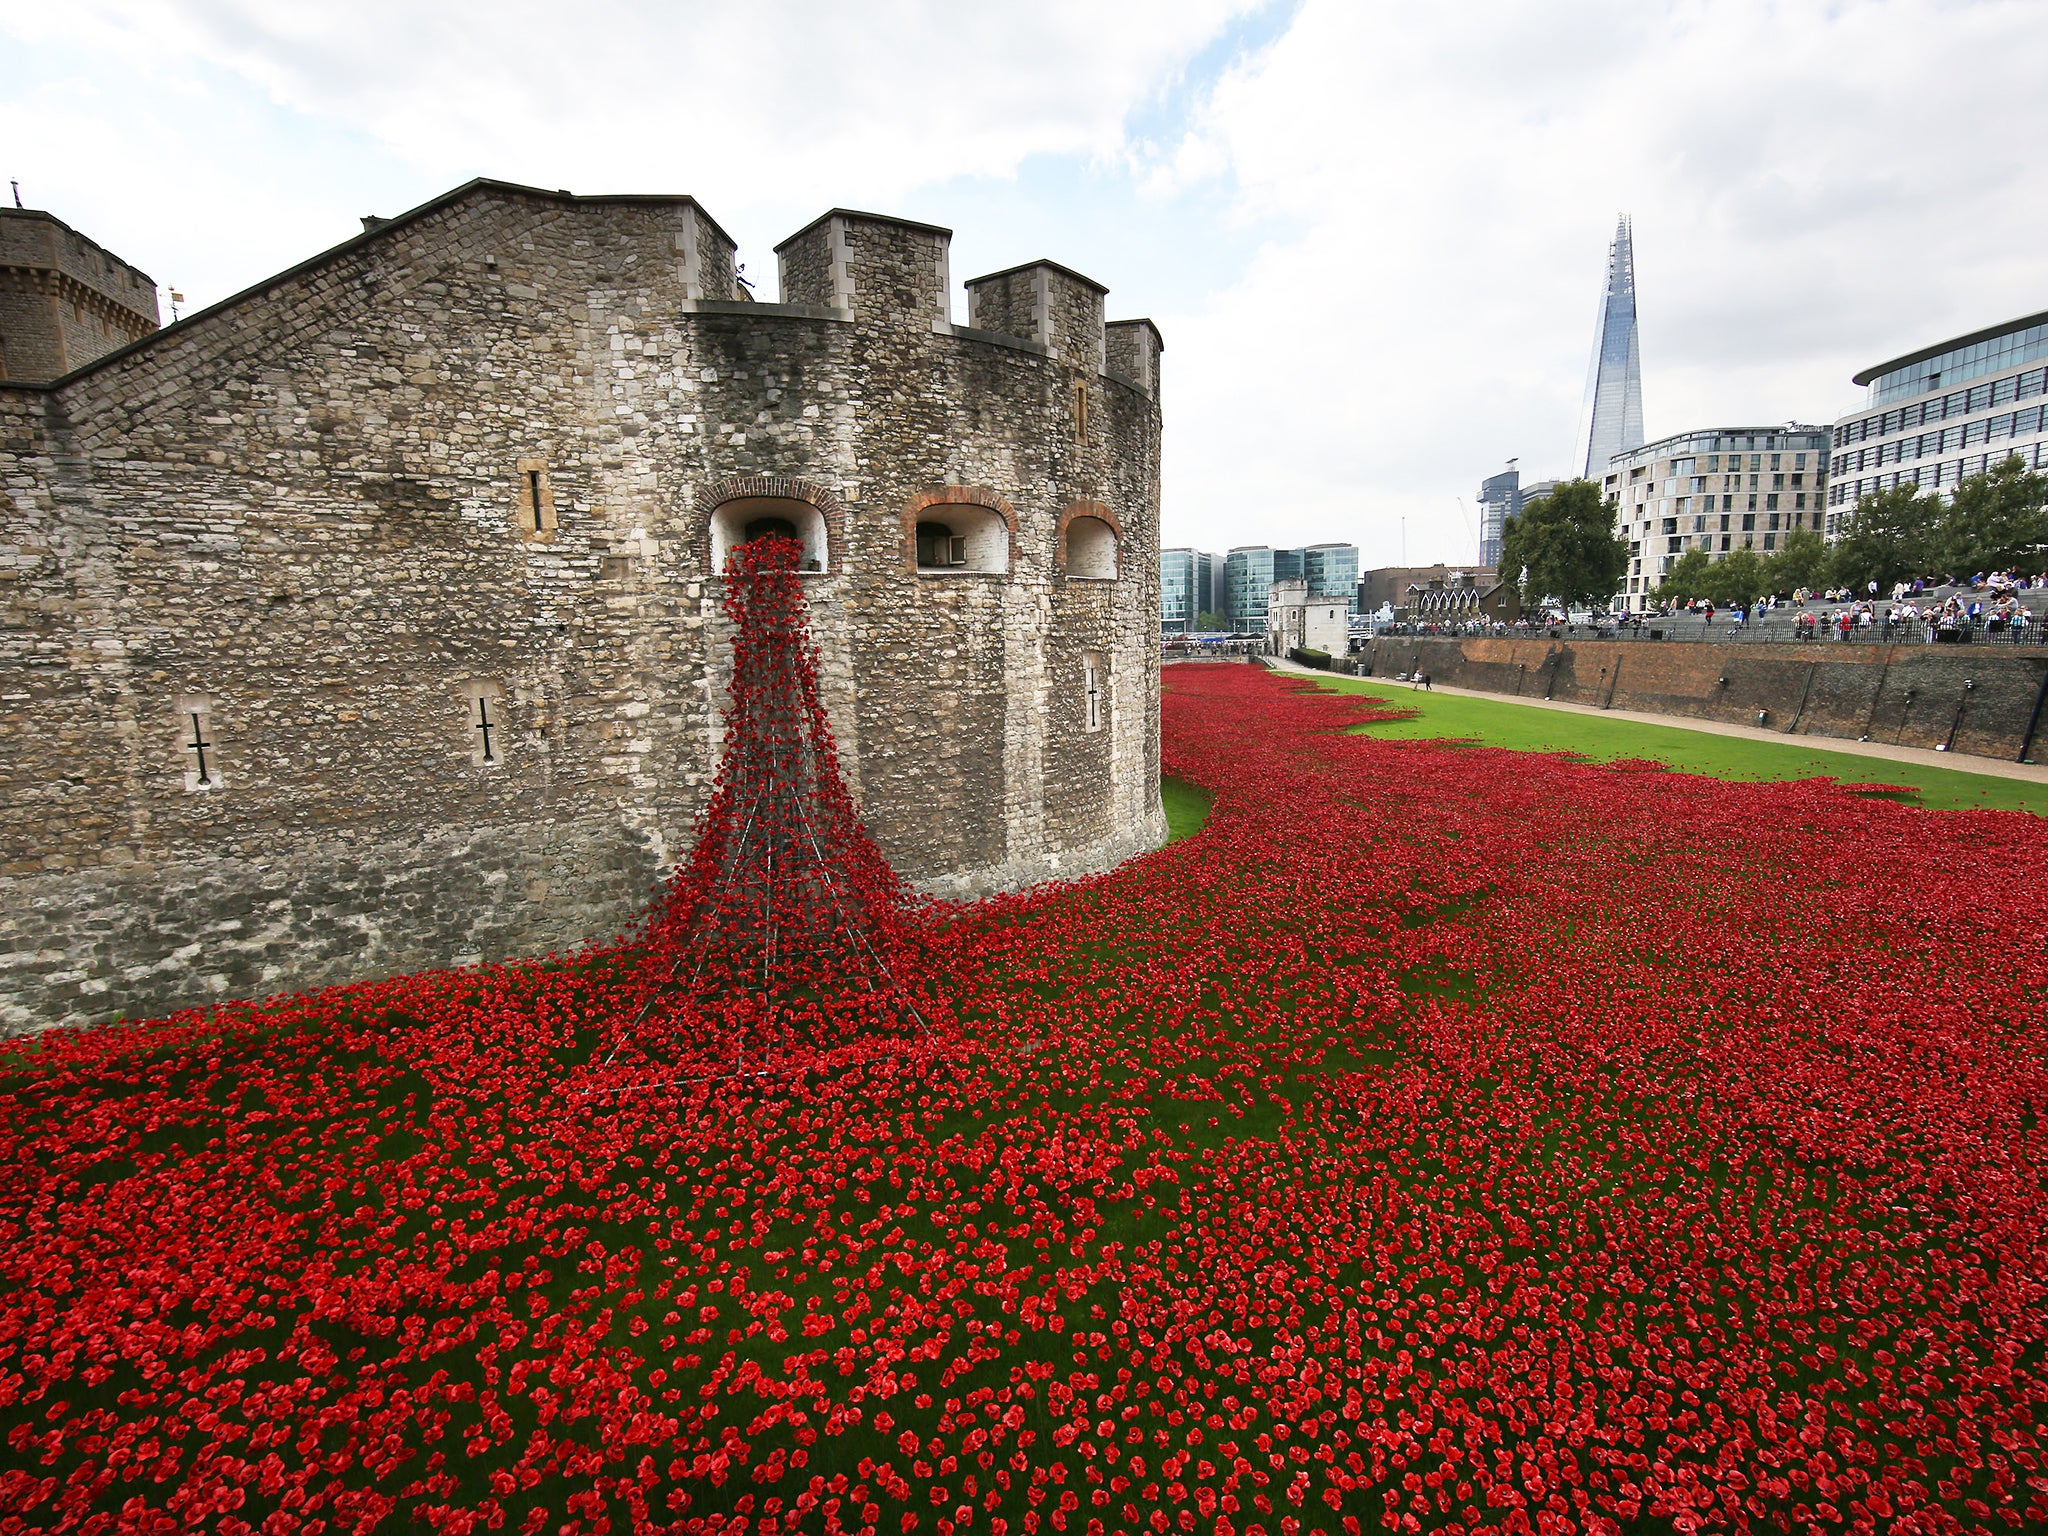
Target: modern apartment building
1499, 500
1720, 490
1944, 413
1190, 585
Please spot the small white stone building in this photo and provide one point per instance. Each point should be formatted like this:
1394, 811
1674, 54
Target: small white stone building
1295, 621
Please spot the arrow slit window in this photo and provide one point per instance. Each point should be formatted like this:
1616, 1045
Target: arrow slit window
197, 744
1094, 690
484, 723
534, 504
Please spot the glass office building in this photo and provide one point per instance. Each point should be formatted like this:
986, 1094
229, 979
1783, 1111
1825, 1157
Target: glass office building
1250, 571
1188, 588
1332, 571
1937, 416
1614, 381
1499, 499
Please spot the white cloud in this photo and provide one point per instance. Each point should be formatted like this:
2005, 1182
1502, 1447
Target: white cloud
1398, 212
768, 112
1813, 187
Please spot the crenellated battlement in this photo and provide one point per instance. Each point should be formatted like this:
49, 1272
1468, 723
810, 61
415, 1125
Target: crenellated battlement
1044, 302
1133, 348
873, 266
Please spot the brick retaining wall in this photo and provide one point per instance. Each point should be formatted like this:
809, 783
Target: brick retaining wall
1907, 695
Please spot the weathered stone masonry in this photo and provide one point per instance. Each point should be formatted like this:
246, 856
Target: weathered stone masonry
458, 480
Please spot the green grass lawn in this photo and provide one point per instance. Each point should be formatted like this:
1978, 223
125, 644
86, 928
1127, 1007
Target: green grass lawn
1525, 728
1187, 807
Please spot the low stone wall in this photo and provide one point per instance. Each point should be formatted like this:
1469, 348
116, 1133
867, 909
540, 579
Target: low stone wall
1907, 695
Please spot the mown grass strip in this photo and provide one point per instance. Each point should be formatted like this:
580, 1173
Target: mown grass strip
1187, 807
1519, 727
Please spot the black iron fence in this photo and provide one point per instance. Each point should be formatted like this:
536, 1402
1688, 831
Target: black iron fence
1721, 631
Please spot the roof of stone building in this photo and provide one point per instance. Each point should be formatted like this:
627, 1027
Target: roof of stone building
383, 229
872, 218
50, 218
1026, 266
1144, 321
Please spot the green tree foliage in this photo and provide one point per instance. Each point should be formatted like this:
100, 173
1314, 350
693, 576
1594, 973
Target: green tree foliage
1742, 576
1211, 623
1890, 537
1738, 577
1998, 519
1687, 578
1802, 561
1565, 547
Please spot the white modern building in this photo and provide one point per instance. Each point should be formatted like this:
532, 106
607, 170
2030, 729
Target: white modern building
1720, 490
1944, 413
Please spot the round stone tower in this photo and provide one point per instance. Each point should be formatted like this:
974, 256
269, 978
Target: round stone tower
373, 615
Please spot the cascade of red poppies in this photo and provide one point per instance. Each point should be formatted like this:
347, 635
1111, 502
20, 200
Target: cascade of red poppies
785, 929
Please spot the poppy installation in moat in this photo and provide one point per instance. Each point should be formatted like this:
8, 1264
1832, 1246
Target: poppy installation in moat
1441, 1139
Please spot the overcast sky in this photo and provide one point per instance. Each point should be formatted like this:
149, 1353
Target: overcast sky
1373, 234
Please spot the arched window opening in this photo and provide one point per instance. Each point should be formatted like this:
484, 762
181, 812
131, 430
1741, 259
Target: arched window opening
769, 527
1091, 549
962, 538
748, 518
938, 545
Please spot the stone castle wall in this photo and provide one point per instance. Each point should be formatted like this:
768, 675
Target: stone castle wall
308, 518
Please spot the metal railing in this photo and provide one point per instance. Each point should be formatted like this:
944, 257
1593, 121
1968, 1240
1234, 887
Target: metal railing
1772, 631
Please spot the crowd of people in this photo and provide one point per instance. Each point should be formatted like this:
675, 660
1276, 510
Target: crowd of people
1993, 604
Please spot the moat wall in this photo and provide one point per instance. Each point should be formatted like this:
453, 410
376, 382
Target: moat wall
1904, 695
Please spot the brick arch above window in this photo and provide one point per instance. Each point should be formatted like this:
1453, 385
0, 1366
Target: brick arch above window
1079, 509
772, 488
945, 496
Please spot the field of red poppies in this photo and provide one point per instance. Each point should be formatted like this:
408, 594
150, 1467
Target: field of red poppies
1441, 1139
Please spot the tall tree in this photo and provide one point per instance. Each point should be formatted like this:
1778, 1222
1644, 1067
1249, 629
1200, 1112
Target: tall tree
1737, 577
1997, 519
1800, 562
1565, 547
1888, 538
1687, 578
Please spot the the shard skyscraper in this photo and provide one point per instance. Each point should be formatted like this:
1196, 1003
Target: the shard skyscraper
1613, 411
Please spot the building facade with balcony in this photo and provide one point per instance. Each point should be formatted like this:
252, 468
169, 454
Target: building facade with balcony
1717, 490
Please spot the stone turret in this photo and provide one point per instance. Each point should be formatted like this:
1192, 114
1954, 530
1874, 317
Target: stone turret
1044, 302
1133, 352
64, 300
867, 265
424, 539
